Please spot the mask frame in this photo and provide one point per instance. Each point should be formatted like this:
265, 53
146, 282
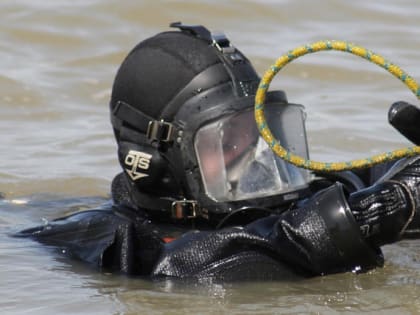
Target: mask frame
199, 112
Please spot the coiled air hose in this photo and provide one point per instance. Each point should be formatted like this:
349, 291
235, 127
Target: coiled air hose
328, 166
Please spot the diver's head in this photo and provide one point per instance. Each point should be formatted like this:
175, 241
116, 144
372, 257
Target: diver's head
182, 113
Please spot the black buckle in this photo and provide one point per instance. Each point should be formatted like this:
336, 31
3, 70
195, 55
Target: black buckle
221, 42
184, 209
160, 131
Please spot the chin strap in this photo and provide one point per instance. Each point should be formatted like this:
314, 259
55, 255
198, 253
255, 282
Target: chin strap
177, 209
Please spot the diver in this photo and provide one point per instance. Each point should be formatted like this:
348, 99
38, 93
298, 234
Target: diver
202, 195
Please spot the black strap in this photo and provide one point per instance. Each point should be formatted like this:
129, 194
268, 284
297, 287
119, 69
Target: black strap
244, 78
172, 208
196, 30
124, 112
201, 82
152, 203
132, 120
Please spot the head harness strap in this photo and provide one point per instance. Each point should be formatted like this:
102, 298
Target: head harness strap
244, 78
126, 113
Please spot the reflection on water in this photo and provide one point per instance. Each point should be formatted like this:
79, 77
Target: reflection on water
57, 61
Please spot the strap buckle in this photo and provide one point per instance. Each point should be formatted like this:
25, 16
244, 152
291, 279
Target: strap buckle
161, 131
184, 209
221, 42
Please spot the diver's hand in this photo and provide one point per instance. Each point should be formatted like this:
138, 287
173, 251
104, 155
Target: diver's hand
390, 209
405, 118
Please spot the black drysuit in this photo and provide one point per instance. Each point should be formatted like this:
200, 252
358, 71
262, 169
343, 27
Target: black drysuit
319, 237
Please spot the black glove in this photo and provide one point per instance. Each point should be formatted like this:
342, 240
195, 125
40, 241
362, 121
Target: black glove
389, 209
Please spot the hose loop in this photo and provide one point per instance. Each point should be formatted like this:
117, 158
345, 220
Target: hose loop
329, 166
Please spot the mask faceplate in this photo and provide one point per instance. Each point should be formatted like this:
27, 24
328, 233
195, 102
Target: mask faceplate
236, 163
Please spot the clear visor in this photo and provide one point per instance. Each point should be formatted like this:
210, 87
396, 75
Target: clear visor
237, 164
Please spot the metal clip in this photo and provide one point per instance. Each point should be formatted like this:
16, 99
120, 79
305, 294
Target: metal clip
221, 42
184, 209
160, 131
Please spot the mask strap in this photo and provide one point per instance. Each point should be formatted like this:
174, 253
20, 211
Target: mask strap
200, 83
124, 112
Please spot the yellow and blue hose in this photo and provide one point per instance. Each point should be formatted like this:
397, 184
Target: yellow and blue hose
329, 166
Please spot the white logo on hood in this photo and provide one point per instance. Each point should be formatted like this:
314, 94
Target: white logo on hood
137, 161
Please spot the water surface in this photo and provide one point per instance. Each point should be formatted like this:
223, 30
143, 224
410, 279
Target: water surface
58, 60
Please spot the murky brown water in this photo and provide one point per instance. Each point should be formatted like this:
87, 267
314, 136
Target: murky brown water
57, 61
